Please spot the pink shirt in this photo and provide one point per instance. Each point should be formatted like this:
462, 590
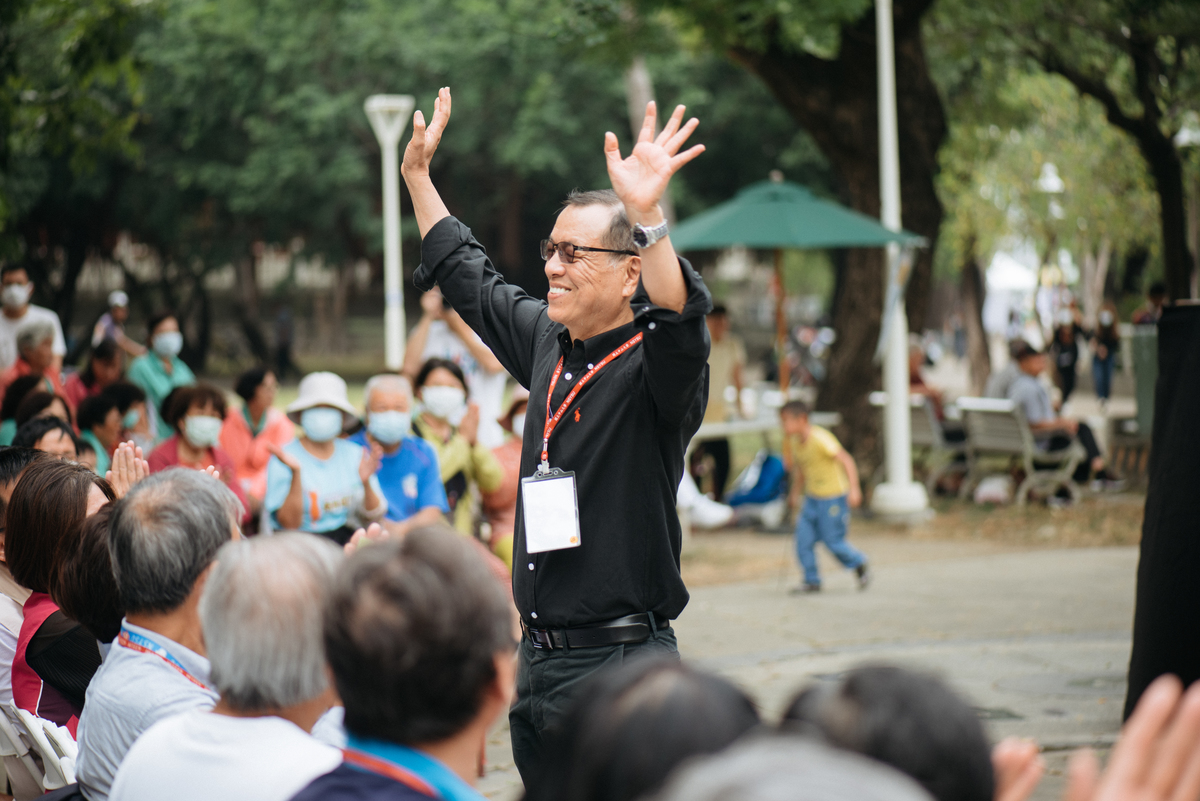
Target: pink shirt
167, 455
248, 452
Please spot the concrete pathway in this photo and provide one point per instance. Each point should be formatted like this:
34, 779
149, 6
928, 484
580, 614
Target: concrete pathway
1038, 640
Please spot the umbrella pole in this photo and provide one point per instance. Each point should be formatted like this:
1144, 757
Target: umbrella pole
781, 325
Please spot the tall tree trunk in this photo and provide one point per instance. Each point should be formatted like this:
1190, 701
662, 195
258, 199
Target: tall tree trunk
973, 291
836, 101
1095, 278
247, 307
510, 226
639, 90
341, 299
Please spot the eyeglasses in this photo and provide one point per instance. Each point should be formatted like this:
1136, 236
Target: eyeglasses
566, 251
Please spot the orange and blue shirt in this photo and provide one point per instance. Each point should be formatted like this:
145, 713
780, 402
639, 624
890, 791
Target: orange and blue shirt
375, 770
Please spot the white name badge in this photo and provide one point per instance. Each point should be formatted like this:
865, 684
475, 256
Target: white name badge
551, 512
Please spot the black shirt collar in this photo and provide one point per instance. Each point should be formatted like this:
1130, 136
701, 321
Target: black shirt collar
600, 345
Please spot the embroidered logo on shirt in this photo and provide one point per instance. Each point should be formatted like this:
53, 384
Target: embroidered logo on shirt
576, 415
409, 485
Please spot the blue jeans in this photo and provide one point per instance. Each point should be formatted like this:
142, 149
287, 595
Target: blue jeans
825, 519
1102, 373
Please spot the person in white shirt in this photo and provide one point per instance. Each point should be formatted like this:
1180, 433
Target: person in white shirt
442, 334
15, 309
261, 612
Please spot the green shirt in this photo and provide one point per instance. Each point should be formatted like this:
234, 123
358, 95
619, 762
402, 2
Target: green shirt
149, 374
102, 460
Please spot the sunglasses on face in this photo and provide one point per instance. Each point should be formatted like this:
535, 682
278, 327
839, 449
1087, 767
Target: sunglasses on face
567, 251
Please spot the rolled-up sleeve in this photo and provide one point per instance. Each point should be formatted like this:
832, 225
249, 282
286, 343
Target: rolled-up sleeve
676, 347
509, 321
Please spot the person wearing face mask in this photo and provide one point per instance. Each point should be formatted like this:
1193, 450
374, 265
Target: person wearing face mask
15, 292
249, 432
135, 416
500, 505
408, 466
161, 370
1107, 343
319, 482
196, 414
451, 426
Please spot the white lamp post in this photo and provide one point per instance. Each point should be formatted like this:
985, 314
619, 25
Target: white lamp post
389, 115
899, 495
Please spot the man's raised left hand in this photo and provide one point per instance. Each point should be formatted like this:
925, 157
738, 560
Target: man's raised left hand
641, 179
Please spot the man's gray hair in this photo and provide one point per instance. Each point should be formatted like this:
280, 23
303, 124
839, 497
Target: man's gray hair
386, 381
785, 768
619, 235
33, 333
262, 612
165, 533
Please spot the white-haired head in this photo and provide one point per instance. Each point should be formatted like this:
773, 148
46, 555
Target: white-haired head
386, 382
262, 612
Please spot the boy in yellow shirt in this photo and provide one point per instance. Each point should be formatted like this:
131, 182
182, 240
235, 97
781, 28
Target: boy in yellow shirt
821, 467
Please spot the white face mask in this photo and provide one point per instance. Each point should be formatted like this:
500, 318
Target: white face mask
201, 430
518, 423
1106, 318
448, 403
15, 296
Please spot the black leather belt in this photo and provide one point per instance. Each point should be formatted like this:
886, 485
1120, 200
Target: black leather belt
621, 631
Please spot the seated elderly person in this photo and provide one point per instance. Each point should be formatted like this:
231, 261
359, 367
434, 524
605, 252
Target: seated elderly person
408, 470
35, 356
1049, 430
163, 538
262, 615
420, 643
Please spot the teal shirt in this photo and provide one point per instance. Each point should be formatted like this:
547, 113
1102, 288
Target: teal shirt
148, 373
102, 460
8, 430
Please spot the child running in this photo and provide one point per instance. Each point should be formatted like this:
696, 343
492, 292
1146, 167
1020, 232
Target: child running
822, 468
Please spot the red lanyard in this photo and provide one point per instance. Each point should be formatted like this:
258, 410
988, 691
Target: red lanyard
384, 768
552, 422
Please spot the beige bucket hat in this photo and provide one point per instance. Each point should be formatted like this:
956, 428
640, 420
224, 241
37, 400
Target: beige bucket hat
324, 389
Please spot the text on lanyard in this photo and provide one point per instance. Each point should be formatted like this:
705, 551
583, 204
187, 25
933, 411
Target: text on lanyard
552, 422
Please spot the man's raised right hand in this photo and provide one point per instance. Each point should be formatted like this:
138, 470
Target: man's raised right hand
424, 142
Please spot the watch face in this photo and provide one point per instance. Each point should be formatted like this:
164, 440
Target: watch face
639, 237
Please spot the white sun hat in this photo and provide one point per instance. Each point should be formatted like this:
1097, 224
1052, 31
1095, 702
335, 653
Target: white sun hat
324, 389
117, 298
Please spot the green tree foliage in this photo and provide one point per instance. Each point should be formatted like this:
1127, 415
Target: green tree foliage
1140, 59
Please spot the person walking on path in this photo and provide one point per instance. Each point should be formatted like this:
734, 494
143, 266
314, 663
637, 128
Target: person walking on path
822, 468
615, 361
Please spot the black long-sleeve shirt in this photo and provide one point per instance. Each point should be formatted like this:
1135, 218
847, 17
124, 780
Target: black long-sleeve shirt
624, 436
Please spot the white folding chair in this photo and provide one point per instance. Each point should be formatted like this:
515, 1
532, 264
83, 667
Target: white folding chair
24, 773
54, 744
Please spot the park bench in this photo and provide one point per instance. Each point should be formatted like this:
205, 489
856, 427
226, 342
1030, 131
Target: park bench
932, 454
997, 430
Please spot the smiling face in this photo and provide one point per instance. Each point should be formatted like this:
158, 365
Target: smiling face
590, 295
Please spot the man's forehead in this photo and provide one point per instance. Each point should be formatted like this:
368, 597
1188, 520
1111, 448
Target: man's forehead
582, 225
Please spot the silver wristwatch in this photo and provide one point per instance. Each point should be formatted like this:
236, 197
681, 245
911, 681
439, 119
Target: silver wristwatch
644, 237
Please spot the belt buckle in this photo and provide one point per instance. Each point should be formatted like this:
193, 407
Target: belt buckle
541, 639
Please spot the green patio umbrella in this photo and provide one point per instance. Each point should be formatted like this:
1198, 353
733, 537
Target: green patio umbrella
777, 215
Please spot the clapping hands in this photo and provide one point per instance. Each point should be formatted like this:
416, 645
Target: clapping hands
128, 468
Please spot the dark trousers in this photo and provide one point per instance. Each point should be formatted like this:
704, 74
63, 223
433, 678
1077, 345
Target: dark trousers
1088, 440
547, 683
718, 449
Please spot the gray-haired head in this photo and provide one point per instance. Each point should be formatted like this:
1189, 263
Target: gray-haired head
33, 333
619, 235
785, 768
262, 612
165, 533
388, 382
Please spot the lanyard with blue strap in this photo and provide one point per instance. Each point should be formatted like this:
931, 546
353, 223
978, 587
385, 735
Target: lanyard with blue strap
136, 642
410, 767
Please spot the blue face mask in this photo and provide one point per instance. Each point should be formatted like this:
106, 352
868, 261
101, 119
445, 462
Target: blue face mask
168, 343
321, 424
201, 430
389, 427
131, 418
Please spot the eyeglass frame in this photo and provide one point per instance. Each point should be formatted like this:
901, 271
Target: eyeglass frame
570, 259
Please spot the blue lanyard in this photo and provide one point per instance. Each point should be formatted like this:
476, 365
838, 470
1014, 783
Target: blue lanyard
134, 641
449, 785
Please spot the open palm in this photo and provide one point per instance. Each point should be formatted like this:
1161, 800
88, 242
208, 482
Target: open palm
641, 179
